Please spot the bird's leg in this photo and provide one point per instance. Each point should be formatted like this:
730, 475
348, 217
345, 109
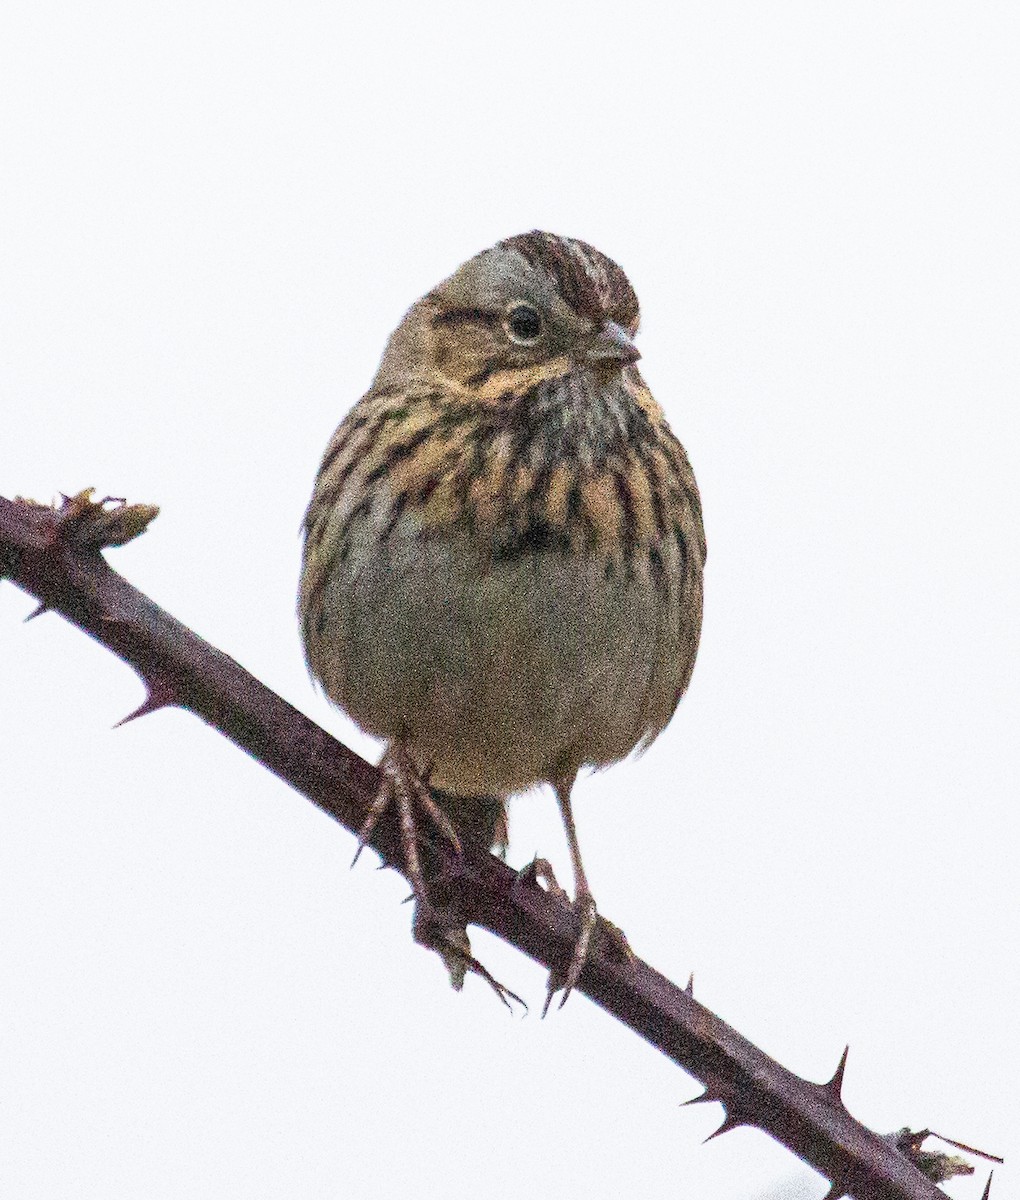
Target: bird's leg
583, 905
584, 902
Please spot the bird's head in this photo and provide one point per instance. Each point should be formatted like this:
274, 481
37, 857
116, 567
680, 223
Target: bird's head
531, 308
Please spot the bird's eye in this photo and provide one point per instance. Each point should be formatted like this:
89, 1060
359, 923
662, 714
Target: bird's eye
524, 325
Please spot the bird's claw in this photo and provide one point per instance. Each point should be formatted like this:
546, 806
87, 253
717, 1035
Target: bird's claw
610, 937
587, 914
444, 930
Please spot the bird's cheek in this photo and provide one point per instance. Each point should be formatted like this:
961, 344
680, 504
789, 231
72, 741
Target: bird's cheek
519, 380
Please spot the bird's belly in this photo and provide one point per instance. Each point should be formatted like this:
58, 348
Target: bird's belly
499, 674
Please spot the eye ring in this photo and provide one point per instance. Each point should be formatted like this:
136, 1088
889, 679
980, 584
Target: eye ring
523, 324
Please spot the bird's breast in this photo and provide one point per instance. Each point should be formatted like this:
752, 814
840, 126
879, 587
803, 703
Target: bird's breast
507, 588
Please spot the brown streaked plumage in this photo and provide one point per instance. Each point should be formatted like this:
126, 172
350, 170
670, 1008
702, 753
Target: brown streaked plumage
504, 548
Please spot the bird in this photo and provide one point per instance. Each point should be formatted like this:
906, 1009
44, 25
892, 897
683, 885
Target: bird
503, 556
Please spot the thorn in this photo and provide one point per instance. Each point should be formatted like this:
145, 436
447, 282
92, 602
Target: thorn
160, 695
149, 705
988, 1187
963, 1146
837, 1189
689, 989
732, 1120
526, 875
38, 611
835, 1085
705, 1097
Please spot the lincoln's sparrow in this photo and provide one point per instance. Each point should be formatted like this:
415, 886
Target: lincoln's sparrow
504, 549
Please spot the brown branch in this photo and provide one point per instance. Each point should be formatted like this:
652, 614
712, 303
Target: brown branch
55, 556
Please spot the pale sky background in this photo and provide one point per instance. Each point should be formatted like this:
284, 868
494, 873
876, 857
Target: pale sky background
211, 217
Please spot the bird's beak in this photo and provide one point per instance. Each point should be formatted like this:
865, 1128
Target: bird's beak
613, 344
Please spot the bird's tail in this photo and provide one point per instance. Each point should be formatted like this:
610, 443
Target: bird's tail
480, 821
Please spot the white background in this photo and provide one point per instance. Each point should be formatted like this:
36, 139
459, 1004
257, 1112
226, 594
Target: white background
212, 217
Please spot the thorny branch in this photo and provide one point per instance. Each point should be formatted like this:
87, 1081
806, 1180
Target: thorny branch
54, 554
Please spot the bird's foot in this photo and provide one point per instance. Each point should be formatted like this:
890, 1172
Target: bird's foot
442, 928
584, 907
404, 786
615, 940
439, 920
